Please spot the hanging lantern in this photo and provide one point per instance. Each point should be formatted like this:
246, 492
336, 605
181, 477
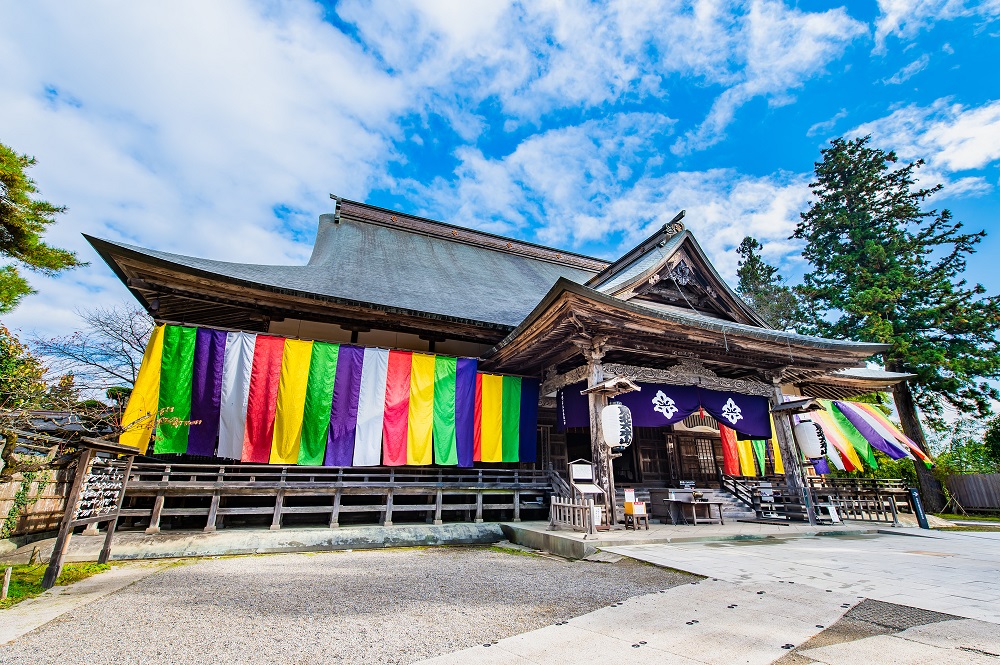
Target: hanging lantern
810, 439
616, 424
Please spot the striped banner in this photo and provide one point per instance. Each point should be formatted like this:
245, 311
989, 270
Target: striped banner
267, 399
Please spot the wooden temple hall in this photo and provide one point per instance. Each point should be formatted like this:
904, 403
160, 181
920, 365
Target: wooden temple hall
414, 370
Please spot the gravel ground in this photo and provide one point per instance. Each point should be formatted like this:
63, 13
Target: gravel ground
388, 606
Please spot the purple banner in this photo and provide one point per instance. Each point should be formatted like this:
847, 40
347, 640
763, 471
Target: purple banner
465, 409
820, 465
747, 414
658, 405
529, 421
876, 440
206, 392
344, 411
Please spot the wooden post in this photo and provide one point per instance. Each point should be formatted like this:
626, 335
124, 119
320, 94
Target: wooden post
279, 502
437, 506
388, 509
593, 352
790, 456
335, 515
517, 498
113, 524
6, 583
154, 517
65, 530
213, 512
479, 506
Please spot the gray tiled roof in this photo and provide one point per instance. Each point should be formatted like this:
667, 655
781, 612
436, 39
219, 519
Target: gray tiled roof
395, 268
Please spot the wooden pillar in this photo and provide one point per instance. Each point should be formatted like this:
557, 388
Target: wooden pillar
593, 352
388, 508
154, 517
438, 504
279, 503
213, 512
790, 456
65, 531
479, 506
335, 514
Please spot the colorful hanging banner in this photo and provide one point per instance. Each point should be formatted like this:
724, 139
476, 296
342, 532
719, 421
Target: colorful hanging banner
291, 402
206, 390
730, 452
236, 369
318, 403
267, 399
139, 417
265, 377
176, 375
397, 408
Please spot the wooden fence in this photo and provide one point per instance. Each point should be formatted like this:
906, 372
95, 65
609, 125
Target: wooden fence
976, 491
572, 513
208, 496
44, 514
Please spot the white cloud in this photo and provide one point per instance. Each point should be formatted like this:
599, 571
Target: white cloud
182, 126
567, 179
783, 49
949, 136
906, 18
827, 125
909, 71
540, 57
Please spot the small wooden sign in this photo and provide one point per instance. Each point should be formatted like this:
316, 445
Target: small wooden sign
96, 496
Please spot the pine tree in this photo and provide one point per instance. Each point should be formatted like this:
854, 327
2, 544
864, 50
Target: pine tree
764, 289
885, 269
23, 219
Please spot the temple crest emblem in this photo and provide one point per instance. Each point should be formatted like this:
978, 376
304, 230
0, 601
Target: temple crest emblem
731, 411
665, 405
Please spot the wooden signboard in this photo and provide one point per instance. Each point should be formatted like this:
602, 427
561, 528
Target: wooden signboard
96, 496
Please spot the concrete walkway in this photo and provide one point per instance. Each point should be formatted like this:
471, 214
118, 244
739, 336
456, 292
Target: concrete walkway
951, 572
711, 621
577, 545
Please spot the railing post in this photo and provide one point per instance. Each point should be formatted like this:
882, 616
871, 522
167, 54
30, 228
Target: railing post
213, 511
335, 514
154, 517
388, 509
279, 501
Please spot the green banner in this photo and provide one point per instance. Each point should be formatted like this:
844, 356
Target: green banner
319, 397
176, 373
511, 427
445, 449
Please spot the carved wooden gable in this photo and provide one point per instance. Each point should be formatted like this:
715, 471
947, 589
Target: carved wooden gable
684, 278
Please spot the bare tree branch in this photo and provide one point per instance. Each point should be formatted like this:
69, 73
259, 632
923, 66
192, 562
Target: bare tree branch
106, 352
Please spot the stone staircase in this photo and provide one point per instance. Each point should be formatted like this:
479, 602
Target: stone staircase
732, 508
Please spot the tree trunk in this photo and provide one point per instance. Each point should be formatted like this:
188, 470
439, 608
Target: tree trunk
931, 492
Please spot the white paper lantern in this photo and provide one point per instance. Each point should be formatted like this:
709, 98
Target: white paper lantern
810, 440
616, 424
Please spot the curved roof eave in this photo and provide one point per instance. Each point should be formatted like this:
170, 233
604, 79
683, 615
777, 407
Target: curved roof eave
106, 249
705, 323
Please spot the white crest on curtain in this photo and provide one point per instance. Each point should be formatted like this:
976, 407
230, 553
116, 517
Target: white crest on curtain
731, 411
663, 404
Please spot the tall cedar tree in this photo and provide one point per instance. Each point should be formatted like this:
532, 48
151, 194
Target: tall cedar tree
23, 220
764, 289
886, 270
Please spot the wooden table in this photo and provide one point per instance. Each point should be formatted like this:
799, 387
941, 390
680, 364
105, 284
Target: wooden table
676, 510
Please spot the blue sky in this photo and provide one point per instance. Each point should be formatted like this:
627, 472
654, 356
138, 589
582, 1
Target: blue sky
219, 129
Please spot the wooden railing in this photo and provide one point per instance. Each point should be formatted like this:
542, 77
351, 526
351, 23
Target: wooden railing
572, 513
221, 492
560, 487
861, 499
